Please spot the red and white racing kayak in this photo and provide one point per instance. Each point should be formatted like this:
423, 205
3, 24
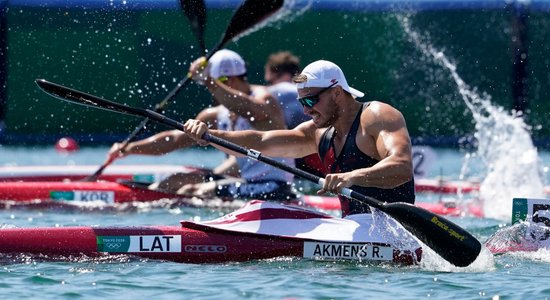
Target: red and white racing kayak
147, 173
259, 230
150, 173
74, 193
107, 192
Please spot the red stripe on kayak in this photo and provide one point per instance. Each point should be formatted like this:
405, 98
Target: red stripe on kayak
271, 214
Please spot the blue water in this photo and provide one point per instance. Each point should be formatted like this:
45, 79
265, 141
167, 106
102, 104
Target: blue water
122, 277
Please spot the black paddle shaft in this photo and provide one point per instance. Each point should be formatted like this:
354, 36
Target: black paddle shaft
447, 239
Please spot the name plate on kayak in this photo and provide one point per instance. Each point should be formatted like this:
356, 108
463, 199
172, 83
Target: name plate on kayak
353, 251
139, 243
531, 210
84, 196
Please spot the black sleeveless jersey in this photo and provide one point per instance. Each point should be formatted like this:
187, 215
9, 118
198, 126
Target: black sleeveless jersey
352, 158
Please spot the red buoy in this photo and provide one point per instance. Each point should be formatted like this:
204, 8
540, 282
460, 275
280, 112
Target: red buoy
66, 145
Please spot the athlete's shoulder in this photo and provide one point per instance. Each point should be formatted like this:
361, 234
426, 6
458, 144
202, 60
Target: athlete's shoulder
378, 110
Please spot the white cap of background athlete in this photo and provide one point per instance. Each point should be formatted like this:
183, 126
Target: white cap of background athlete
323, 73
226, 63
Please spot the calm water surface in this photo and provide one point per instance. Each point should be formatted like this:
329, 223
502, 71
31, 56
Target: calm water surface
505, 277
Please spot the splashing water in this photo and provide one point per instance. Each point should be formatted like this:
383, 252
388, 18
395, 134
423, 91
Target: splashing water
521, 237
504, 142
485, 262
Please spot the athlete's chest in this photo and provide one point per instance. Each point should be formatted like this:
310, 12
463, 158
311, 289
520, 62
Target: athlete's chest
355, 143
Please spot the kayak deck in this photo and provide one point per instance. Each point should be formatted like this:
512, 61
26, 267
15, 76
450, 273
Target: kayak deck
170, 243
177, 244
251, 233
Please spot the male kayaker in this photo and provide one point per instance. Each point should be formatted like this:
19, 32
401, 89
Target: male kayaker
241, 106
365, 146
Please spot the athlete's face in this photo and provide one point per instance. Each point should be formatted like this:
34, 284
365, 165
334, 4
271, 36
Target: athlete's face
323, 110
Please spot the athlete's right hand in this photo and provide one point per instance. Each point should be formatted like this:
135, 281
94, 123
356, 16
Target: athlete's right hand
196, 129
335, 182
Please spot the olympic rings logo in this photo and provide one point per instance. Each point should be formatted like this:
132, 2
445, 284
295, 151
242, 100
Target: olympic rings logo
112, 246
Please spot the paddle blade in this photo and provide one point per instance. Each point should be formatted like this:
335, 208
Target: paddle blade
249, 14
195, 10
447, 239
74, 96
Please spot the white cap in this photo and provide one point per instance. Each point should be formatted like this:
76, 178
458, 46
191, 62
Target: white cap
226, 63
323, 73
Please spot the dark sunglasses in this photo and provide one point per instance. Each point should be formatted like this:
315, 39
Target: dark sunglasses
310, 101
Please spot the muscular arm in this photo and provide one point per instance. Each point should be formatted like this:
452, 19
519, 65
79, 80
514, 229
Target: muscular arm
164, 142
385, 126
160, 143
297, 142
